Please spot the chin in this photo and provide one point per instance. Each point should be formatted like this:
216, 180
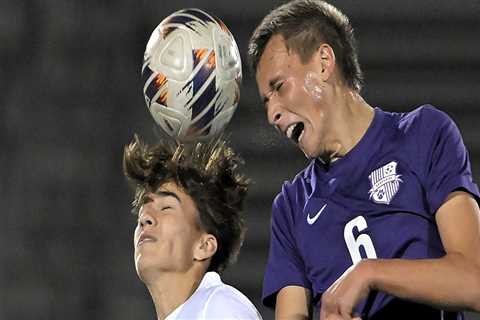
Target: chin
143, 266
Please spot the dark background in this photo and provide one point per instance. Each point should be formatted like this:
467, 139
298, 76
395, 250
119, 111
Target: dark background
70, 98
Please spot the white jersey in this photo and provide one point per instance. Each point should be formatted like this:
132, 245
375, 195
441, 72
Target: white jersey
215, 300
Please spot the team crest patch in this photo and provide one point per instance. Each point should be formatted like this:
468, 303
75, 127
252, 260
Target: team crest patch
385, 183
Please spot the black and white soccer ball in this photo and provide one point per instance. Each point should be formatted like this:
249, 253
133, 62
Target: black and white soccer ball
192, 73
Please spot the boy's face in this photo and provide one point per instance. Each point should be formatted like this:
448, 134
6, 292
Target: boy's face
167, 232
284, 85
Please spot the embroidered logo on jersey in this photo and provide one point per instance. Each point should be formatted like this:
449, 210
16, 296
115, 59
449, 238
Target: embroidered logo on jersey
385, 183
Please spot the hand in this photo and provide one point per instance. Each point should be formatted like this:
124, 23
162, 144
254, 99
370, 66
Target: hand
345, 293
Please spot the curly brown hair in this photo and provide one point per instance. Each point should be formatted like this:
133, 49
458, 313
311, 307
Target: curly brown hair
208, 173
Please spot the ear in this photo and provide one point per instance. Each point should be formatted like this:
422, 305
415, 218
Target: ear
326, 58
205, 247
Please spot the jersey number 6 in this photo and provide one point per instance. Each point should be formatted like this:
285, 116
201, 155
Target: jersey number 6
363, 240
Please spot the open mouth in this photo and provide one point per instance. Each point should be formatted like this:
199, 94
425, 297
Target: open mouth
294, 131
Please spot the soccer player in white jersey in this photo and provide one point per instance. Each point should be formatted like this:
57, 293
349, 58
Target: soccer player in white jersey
189, 227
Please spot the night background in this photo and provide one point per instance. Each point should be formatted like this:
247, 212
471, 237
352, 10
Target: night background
70, 99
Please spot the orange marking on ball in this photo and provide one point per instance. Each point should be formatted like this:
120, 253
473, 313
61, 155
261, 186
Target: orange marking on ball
211, 60
200, 53
160, 81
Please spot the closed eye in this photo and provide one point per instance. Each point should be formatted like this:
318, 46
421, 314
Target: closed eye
275, 88
278, 86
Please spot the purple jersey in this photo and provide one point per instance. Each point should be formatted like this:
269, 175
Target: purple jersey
379, 201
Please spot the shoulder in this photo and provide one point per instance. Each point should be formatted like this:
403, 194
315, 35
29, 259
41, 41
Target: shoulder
418, 128
423, 118
226, 302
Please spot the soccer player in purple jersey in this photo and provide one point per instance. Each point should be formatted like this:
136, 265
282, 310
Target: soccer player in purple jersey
384, 221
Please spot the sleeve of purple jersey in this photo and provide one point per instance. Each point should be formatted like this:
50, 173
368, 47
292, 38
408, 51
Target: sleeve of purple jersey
447, 168
284, 267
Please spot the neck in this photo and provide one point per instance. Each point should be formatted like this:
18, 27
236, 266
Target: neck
350, 122
170, 290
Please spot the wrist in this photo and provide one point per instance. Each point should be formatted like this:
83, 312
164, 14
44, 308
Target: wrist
369, 273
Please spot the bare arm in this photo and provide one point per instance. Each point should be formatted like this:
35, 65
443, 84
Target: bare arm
293, 303
452, 281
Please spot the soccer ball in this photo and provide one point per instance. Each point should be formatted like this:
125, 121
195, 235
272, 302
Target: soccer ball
192, 73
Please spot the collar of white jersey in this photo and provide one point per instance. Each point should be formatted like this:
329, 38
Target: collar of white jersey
210, 279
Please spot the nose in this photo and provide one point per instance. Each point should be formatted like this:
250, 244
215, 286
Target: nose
146, 220
274, 112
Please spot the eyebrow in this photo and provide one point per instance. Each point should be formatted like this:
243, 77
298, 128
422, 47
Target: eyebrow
168, 194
